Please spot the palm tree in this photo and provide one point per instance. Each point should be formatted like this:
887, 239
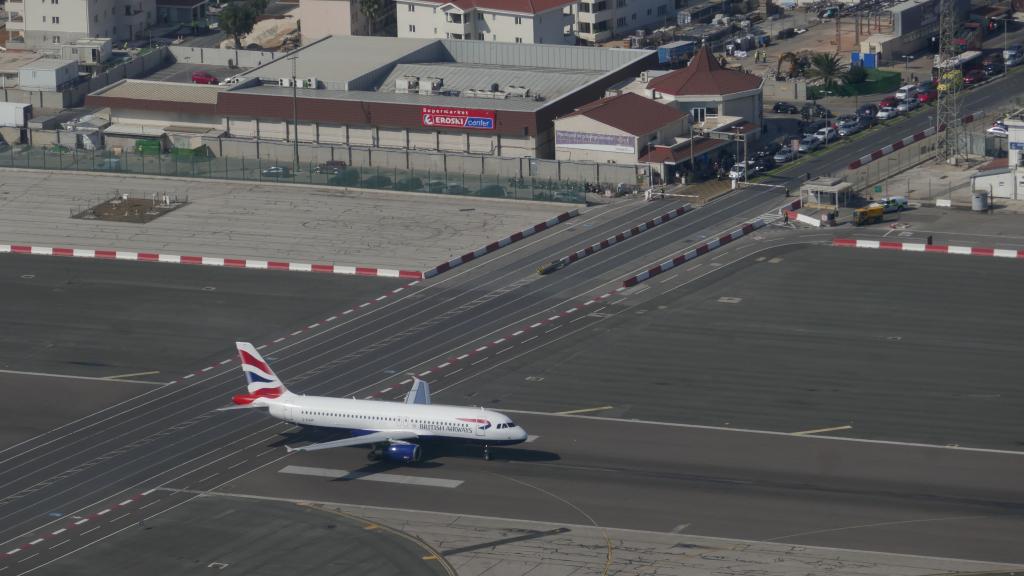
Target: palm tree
237, 20
371, 10
827, 69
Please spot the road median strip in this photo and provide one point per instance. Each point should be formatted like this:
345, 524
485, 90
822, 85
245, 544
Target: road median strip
694, 253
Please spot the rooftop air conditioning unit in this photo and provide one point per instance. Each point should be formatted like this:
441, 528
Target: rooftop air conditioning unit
518, 91
407, 84
286, 82
431, 86
645, 77
311, 83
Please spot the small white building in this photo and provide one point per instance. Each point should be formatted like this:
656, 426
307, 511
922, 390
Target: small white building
619, 130
48, 74
1004, 178
518, 21
716, 98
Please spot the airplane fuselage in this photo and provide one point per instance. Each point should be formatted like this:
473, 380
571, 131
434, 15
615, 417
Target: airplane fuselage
464, 423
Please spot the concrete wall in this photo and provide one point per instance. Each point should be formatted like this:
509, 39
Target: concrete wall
786, 91
452, 162
331, 18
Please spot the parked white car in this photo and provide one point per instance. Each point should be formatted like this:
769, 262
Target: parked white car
827, 135
887, 113
908, 105
999, 129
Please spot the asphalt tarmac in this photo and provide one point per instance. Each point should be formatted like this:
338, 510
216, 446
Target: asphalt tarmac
149, 320
257, 538
659, 477
883, 345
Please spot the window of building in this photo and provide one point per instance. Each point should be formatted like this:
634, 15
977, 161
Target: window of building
410, 7
634, 17
585, 8
96, 18
620, 21
519, 19
519, 40
54, 1
479, 35
479, 15
601, 26
56, 39
494, 36
127, 10
584, 27
620, 3
412, 28
56, 19
455, 18
662, 10
599, 6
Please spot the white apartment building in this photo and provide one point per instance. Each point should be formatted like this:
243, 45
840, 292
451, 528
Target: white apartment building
602, 20
518, 21
39, 24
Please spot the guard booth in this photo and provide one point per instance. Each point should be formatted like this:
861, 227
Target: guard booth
825, 193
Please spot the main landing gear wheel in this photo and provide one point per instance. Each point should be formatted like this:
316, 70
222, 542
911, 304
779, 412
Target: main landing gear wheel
374, 455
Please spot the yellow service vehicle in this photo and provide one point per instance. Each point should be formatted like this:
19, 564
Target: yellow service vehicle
871, 214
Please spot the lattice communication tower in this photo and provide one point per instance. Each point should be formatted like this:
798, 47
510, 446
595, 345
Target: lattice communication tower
951, 142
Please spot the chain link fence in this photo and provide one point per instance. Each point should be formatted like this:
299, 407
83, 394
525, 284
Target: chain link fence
197, 164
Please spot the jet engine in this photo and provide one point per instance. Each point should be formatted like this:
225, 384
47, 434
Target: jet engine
406, 453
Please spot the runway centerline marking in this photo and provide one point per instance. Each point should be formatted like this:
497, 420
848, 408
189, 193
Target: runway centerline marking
823, 430
336, 474
584, 410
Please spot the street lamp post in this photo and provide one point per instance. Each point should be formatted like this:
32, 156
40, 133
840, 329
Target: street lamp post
295, 116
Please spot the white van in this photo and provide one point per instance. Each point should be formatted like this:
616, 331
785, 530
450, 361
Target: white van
907, 92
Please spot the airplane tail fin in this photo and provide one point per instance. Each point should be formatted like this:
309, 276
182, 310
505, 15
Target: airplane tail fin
263, 383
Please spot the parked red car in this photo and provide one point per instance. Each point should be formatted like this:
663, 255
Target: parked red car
889, 102
203, 77
928, 96
974, 76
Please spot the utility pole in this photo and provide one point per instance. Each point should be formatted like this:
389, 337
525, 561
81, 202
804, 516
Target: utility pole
295, 115
951, 148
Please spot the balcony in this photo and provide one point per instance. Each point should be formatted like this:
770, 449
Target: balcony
14, 1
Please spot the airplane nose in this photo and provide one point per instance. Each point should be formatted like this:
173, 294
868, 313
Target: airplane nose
521, 435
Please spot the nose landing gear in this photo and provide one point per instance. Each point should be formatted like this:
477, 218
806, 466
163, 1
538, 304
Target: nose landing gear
487, 452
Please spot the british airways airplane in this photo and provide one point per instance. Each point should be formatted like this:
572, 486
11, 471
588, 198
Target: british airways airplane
391, 429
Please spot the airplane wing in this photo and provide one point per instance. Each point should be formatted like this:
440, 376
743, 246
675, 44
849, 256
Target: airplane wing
419, 393
374, 438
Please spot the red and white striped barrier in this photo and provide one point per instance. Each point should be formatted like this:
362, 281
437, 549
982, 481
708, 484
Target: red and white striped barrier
628, 233
207, 261
698, 251
939, 248
905, 142
794, 205
501, 243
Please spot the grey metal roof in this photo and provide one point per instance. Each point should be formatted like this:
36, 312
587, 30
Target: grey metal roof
168, 91
47, 64
338, 60
357, 62
547, 82
510, 104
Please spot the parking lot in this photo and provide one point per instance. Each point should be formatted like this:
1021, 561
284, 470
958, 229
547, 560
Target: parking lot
182, 72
